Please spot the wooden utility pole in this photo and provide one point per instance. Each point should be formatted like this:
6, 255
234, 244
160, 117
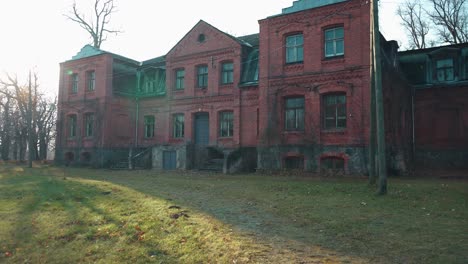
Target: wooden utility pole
372, 138
379, 107
30, 136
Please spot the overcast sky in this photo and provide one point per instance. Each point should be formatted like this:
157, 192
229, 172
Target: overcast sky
36, 35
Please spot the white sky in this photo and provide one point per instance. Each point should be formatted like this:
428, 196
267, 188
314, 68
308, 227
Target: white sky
36, 35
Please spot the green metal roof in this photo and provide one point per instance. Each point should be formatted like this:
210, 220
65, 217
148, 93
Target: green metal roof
301, 5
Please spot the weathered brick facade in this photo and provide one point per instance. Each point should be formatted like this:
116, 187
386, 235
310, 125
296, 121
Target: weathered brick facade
296, 95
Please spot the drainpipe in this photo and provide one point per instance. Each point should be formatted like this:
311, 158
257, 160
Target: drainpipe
412, 121
137, 113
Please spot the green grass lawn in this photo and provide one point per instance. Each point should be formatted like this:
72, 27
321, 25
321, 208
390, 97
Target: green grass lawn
67, 215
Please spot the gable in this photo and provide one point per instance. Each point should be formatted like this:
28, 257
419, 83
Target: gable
87, 51
202, 38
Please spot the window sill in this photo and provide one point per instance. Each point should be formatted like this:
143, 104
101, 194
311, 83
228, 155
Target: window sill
225, 138
294, 66
226, 85
334, 131
178, 90
333, 60
294, 132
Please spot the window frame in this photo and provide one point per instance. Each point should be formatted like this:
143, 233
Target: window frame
294, 48
74, 83
226, 124
89, 124
336, 117
72, 125
202, 77
149, 122
228, 73
333, 41
178, 126
91, 81
444, 69
299, 125
179, 80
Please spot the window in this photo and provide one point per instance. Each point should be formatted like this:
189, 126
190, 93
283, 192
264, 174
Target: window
74, 83
294, 163
91, 78
332, 163
149, 82
334, 42
294, 48
201, 38
227, 73
180, 76
72, 126
444, 70
334, 111
202, 76
226, 124
149, 126
178, 125
89, 124
294, 113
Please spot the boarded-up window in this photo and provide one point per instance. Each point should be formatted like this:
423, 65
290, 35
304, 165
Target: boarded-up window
294, 163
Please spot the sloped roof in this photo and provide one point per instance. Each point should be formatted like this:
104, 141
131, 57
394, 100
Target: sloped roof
252, 39
432, 49
160, 61
90, 51
301, 5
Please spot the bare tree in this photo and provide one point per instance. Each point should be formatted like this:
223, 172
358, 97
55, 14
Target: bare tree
45, 122
450, 18
97, 26
415, 23
21, 106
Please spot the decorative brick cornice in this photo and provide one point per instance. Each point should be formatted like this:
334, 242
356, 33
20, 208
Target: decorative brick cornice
197, 56
316, 16
319, 77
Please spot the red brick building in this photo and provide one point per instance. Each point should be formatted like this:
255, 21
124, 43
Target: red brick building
439, 79
296, 95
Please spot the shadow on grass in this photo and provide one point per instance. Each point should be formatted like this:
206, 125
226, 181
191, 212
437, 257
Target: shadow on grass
301, 220
57, 214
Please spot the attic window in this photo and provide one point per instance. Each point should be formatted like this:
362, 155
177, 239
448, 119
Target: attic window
201, 38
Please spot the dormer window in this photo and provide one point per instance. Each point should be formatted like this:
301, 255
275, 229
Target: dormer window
444, 70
